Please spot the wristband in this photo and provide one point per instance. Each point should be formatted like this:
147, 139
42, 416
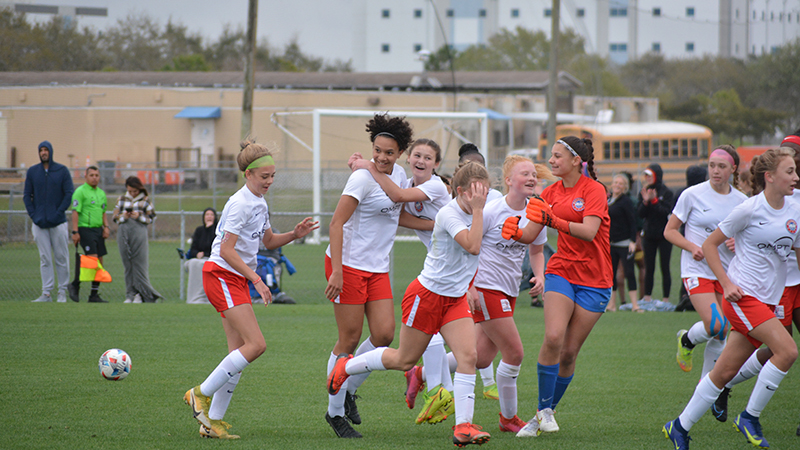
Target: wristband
257, 281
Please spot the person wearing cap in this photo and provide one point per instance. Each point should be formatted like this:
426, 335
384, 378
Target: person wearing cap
655, 206
47, 195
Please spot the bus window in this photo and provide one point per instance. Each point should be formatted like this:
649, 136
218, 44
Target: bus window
645, 149
606, 150
626, 149
693, 147
656, 149
616, 149
704, 148
669, 148
635, 153
684, 147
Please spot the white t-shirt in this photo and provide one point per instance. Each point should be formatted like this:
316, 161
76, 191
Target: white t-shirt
246, 215
792, 272
701, 208
448, 267
438, 196
764, 239
493, 195
369, 233
500, 260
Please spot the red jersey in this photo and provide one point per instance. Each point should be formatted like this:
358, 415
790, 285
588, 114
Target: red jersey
578, 261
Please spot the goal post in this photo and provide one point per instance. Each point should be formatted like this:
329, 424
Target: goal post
315, 147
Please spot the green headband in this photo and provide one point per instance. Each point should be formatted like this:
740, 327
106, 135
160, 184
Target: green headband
265, 160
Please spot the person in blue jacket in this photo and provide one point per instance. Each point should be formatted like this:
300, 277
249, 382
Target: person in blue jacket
47, 195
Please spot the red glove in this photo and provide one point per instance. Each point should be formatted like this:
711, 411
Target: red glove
540, 212
511, 228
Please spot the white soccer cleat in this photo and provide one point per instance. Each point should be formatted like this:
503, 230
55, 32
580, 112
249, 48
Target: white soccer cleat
547, 423
531, 429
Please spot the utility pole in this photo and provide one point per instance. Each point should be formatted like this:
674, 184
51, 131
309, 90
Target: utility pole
249, 69
552, 85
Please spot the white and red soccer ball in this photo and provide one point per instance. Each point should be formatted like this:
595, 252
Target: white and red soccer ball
115, 364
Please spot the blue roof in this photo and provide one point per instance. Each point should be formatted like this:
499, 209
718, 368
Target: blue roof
200, 112
494, 115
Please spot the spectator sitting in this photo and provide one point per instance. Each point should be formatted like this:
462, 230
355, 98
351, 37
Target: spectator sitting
197, 255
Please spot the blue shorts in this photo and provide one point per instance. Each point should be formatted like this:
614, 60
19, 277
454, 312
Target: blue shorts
588, 298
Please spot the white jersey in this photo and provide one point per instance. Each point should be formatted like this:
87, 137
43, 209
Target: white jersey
493, 195
438, 196
500, 260
369, 233
792, 272
246, 215
702, 208
764, 239
448, 267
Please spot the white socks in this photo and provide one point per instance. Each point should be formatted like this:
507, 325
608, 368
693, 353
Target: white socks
364, 364
711, 354
356, 381
464, 396
749, 369
433, 361
487, 375
222, 398
230, 366
705, 394
766, 385
336, 402
698, 334
507, 388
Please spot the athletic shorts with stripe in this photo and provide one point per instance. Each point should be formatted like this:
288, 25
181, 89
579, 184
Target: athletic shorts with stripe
790, 300
224, 288
697, 285
359, 286
748, 313
493, 305
428, 312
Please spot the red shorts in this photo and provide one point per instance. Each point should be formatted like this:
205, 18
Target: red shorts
360, 287
428, 312
493, 305
790, 300
224, 288
697, 285
746, 314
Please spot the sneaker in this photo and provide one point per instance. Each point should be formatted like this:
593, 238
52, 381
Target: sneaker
127, 300
433, 403
200, 405
95, 298
218, 430
679, 437
74, 292
513, 425
282, 297
491, 393
720, 407
751, 429
684, 355
467, 433
531, 429
62, 297
350, 408
137, 298
414, 385
42, 299
341, 427
338, 375
441, 414
547, 421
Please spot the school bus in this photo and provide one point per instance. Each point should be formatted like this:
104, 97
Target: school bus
632, 146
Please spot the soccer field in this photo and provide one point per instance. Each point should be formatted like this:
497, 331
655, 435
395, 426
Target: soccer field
627, 384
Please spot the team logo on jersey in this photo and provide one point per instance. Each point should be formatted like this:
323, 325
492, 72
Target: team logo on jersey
791, 226
578, 204
418, 206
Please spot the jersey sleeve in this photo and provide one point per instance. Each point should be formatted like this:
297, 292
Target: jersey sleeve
77, 200
358, 185
541, 239
451, 222
684, 205
236, 218
596, 203
433, 189
737, 220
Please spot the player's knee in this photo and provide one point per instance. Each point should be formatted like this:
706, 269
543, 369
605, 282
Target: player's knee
382, 338
514, 356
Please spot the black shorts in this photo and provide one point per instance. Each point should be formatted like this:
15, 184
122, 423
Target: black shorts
92, 241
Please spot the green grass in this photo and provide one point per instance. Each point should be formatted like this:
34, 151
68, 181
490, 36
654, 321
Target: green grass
627, 384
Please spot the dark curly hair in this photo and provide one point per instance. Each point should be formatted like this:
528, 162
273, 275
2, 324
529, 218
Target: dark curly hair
584, 149
396, 127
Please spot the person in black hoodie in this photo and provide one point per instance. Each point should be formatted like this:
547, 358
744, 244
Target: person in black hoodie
623, 238
47, 195
197, 256
655, 206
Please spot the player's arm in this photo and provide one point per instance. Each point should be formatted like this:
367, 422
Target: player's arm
227, 250
470, 239
393, 191
672, 233
413, 222
273, 241
536, 252
344, 210
731, 292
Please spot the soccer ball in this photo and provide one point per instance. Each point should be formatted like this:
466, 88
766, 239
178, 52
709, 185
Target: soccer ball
115, 364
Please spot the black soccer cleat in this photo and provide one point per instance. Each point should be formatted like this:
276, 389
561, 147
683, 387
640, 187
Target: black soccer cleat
720, 407
350, 408
341, 427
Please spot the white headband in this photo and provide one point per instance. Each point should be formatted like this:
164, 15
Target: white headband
568, 147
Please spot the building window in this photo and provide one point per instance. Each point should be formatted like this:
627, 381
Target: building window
754, 14
619, 12
690, 47
656, 12
580, 12
385, 48
737, 49
774, 49
481, 13
417, 48
737, 13
417, 13
514, 13
385, 13
450, 13
656, 47
772, 16
689, 12
622, 47
548, 12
